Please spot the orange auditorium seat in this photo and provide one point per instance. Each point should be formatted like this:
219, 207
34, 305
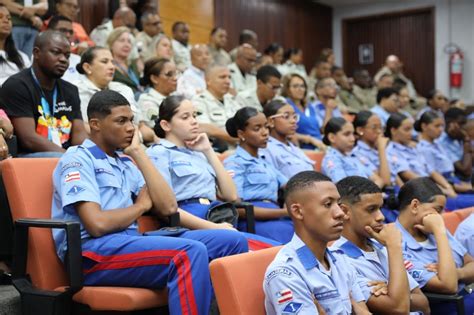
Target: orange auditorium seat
453, 218
29, 188
317, 157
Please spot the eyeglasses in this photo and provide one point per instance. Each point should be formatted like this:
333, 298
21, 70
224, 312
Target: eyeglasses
172, 74
298, 86
274, 87
287, 116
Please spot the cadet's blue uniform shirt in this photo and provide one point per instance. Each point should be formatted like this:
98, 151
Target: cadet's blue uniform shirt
338, 166
436, 156
373, 269
255, 178
321, 112
287, 158
465, 234
308, 123
453, 148
183, 168
405, 158
296, 278
86, 173
382, 113
367, 155
420, 255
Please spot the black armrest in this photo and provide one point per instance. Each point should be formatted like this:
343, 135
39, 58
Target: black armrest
174, 219
73, 259
249, 215
436, 298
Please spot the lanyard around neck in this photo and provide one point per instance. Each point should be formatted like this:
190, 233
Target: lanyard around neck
47, 108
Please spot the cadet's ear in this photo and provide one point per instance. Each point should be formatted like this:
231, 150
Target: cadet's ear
414, 204
331, 137
296, 211
271, 122
94, 124
346, 209
240, 135
165, 125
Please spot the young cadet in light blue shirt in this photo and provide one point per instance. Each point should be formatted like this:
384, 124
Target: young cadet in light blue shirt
433, 257
339, 161
375, 250
465, 234
387, 104
306, 277
191, 167
280, 151
326, 105
257, 181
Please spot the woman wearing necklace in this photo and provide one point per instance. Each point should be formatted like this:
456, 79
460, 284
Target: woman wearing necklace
119, 42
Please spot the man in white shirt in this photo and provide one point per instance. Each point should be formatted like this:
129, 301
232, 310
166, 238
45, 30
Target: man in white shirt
241, 70
193, 80
182, 56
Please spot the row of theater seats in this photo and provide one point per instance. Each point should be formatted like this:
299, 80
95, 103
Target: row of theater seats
53, 286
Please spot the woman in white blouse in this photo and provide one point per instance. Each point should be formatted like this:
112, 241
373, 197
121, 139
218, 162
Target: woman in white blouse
12, 60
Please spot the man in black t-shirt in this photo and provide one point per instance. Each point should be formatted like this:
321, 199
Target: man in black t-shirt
44, 109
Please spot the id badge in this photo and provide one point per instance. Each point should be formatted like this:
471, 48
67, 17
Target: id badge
55, 138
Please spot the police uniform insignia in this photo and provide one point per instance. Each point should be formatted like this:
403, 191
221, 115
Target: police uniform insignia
231, 173
75, 190
408, 265
284, 296
72, 176
292, 308
416, 274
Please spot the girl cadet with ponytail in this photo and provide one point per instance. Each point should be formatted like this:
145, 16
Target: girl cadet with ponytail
257, 180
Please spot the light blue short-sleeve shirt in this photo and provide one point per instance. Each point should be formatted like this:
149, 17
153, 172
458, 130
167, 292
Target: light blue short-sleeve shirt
338, 166
188, 172
454, 148
287, 158
465, 234
321, 112
86, 173
436, 156
418, 255
296, 278
381, 113
405, 158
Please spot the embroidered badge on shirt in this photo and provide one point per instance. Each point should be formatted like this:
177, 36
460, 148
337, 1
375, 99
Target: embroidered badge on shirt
72, 176
416, 274
408, 265
292, 308
285, 296
75, 190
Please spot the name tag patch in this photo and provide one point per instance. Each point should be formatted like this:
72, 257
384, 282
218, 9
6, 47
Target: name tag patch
326, 295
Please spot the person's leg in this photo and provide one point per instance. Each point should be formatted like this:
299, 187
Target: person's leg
18, 34
30, 41
280, 230
219, 243
152, 262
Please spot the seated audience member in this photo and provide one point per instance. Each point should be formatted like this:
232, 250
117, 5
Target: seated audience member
215, 106
44, 109
241, 70
293, 63
385, 81
275, 51
375, 250
152, 28
108, 213
12, 60
364, 89
431, 126
306, 277
124, 16
294, 90
217, 44
64, 25
345, 96
188, 163
432, 255
26, 19
387, 104
245, 37
120, 44
179, 42
268, 85
339, 160
256, 179
280, 151
162, 47
80, 41
456, 142
327, 54
326, 105
404, 102
465, 234
436, 101
409, 163
321, 70
193, 80
160, 76
6, 133
371, 145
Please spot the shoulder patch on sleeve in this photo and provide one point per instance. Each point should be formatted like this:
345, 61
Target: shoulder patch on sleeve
292, 308
281, 271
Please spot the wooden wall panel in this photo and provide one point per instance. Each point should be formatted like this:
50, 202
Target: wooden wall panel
407, 34
198, 14
92, 13
295, 23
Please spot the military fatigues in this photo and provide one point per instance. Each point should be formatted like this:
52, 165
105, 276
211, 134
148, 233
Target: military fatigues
145, 45
248, 98
240, 82
367, 97
182, 55
295, 279
149, 103
219, 56
213, 111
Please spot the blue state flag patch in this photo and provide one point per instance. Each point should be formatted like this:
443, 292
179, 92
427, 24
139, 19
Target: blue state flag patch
292, 308
75, 190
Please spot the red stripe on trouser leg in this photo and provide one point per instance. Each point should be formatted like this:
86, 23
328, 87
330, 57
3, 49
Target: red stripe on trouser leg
257, 245
131, 256
128, 264
182, 260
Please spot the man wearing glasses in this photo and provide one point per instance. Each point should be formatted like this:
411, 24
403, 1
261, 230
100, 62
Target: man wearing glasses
152, 27
268, 86
241, 70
